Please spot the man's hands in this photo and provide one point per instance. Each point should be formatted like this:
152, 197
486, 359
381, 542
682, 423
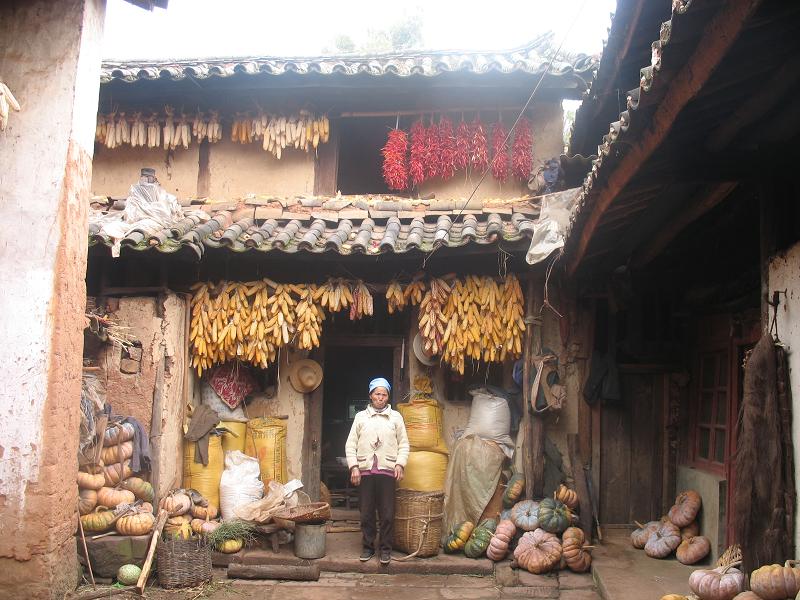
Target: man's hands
399, 472
355, 475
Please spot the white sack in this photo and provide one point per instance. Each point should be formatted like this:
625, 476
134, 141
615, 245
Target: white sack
240, 483
490, 419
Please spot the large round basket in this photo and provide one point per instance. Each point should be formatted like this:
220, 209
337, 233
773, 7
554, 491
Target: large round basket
418, 520
314, 512
183, 563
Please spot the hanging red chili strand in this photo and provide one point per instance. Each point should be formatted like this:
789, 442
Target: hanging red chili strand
433, 156
416, 164
499, 152
461, 146
447, 165
395, 162
522, 150
478, 150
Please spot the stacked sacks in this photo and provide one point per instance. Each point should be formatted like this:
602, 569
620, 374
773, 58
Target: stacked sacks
265, 440
427, 460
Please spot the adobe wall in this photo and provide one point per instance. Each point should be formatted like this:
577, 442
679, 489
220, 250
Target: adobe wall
50, 59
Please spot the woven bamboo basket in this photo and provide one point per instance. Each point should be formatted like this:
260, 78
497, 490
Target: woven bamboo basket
418, 520
314, 512
183, 563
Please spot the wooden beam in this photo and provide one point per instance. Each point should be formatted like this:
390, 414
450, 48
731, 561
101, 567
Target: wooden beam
700, 205
716, 40
756, 106
527, 452
537, 420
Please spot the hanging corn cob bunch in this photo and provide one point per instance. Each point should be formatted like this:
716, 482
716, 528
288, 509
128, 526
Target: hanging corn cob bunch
414, 291
110, 140
361, 306
169, 128
491, 328
138, 131
309, 319
395, 299
214, 133
153, 131
199, 127
457, 331
280, 311
432, 323
512, 314
260, 349
100, 129
335, 295
7, 103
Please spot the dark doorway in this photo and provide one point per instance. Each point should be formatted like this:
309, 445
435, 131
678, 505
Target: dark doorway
360, 159
348, 371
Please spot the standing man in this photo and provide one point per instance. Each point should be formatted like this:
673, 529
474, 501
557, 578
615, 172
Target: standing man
377, 452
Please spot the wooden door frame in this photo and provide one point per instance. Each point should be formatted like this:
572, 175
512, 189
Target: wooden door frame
312, 456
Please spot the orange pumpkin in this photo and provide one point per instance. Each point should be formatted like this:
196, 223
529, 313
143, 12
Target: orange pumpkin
640, 536
178, 527
117, 453
202, 527
663, 541
576, 556
686, 507
722, 583
98, 521
91, 481
776, 582
538, 551
138, 523
147, 507
112, 497
567, 496
503, 534
175, 503
142, 489
87, 501
116, 472
693, 550
117, 434
204, 512
691, 530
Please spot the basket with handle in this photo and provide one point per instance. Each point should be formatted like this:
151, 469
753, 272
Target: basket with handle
418, 522
183, 563
313, 512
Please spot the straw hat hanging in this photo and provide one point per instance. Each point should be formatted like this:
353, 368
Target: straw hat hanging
305, 375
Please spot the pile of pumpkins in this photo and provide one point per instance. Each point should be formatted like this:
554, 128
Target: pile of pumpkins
538, 533
109, 497
191, 514
726, 582
678, 531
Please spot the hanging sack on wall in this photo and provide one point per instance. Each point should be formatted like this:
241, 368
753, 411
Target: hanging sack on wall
424, 472
204, 478
240, 483
424, 420
266, 440
490, 419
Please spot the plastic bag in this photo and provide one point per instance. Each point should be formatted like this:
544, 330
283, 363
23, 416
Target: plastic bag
490, 419
240, 483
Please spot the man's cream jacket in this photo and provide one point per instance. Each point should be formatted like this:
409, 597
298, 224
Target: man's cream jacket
381, 434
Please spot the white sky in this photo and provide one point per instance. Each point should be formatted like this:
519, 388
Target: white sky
205, 28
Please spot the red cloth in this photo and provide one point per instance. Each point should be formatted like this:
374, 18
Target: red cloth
232, 382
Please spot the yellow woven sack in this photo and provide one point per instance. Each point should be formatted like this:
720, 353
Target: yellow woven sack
425, 472
204, 479
230, 441
266, 440
423, 419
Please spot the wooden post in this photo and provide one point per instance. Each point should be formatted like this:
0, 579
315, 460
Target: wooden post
148, 562
527, 452
537, 423
579, 476
294, 572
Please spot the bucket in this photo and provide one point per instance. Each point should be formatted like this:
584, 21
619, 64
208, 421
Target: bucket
309, 540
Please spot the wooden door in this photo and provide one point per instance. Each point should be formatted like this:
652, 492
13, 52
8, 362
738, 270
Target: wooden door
631, 454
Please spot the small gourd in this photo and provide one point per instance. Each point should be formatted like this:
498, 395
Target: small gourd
117, 453
663, 541
525, 515
112, 497
142, 489
538, 551
87, 501
139, 523
567, 496
576, 556
685, 509
128, 574
201, 527
175, 503
693, 550
480, 538
458, 538
230, 546
498, 545
640, 536
98, 521
554, 515
91, 481
178, 527
204, 512
514, 489
721, 583
776, 582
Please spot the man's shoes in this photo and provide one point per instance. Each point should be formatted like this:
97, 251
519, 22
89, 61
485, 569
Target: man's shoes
386, 557
366, 554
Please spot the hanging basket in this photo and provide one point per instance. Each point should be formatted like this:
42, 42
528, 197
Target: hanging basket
418, 522
184, 563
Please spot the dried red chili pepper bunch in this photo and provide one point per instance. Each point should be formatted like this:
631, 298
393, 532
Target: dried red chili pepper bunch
433, 157
416, 162
500, 152
447, 165
461, 145
522, 150
478, 150
395, 163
